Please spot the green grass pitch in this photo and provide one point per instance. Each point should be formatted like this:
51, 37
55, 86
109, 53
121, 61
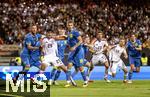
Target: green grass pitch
139, 88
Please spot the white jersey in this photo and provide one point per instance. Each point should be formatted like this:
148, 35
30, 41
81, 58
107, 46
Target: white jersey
98, 46
49, 47
115, 53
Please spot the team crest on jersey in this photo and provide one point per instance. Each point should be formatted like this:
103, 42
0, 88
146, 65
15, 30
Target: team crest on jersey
81, 60
71, 35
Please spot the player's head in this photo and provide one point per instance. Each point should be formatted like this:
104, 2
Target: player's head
122, 42
70, 25
133, 37
34, 29
49, 34
61, 30
100, 35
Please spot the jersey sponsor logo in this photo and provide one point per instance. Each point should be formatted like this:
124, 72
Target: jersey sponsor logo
81, 60
70, 35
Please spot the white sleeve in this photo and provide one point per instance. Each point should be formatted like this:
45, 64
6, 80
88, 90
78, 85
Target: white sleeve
43, 41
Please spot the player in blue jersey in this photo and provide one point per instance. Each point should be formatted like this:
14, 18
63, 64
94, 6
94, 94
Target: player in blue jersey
29, 43
86, 42
134, 47
76, 55
61, 50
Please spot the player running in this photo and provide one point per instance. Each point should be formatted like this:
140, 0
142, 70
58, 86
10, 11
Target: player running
134, 47
99, 47
50, 50
115, 59
76, 55
61, 50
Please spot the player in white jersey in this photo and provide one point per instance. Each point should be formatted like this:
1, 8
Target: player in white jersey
115, 59
49, 48
99, 46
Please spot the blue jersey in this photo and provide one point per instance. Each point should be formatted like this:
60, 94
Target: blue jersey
35, 54
73, 37
61, 48
39, 35
131, 48
25, 54
85, 48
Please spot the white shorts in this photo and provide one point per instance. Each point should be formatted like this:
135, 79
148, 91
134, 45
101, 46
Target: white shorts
54, 60
99, 58
114, 65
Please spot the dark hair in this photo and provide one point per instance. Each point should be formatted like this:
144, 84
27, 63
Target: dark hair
70, 21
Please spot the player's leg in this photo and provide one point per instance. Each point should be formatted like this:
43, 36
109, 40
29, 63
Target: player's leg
137, 65
124, 68
57, 74
90, 68
79, 62
26, 63
46, 62
57, 62
39, 73
75, 71
132, 68
113, 68
104, 60
53, 71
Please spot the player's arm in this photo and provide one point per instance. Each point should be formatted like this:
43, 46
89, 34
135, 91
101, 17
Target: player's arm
28, 43
77, 44
125, 53
60, 37
139, 48
91, 46
106, 46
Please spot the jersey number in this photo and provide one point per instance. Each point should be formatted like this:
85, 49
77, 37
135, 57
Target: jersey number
49, 45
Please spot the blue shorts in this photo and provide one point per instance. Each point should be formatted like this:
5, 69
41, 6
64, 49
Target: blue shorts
77, 57
25, 59
35, 63
84, 63
135, 61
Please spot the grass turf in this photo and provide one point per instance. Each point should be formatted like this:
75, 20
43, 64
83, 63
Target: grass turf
139, 88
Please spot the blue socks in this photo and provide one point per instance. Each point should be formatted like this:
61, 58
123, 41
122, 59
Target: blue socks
130, 75
57, 75
83, 75
52, 73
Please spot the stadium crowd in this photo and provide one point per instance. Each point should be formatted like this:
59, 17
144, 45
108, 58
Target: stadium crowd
114, 17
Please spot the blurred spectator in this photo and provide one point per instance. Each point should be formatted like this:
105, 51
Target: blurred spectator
13, 62
1, 41
144, 60
114, 17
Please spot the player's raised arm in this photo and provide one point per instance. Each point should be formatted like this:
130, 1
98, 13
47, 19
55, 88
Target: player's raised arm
60, 37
